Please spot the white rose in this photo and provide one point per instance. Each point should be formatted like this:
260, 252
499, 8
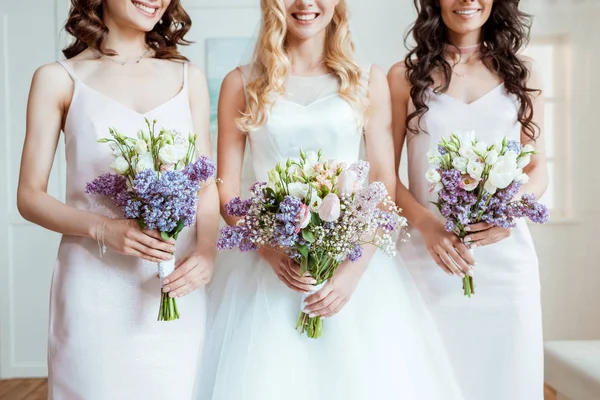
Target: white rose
475, 169
489, 187
436, 187
347, 182
141, 147
120, 165
504, 171
171, 154
523, 161
466, 150
144, 161
433, 176
460, 163
492, 157
298, 189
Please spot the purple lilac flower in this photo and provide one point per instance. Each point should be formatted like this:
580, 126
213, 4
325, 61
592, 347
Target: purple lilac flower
387, 221
287, 220
451, 179
442, 150
450, 225
514, 146
107, 185
370, 197
238, 207
355, 253
230, 237
200, 170
257, 189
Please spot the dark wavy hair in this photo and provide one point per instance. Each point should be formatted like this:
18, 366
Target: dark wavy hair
503, 35
86, 25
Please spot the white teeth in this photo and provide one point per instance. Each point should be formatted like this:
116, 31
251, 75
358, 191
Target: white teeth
306, 17
144, 8
466, 12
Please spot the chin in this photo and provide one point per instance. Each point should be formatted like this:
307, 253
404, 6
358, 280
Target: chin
144, 16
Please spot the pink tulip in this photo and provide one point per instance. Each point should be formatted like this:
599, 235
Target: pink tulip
330, 208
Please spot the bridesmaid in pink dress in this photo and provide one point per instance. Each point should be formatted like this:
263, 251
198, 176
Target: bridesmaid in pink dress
104, 339
465, 75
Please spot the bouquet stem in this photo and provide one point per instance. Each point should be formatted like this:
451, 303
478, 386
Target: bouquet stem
468, 286
313, 327
168, 305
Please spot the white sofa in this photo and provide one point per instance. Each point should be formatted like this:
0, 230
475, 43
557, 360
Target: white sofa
572, 369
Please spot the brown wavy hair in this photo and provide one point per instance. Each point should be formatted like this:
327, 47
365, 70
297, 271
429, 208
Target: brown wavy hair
86, 25
503, 35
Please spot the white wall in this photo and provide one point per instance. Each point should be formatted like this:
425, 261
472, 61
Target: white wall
29, 37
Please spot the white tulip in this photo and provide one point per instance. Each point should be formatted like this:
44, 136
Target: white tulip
523, 178
492, 157
141, 147
347, 182
489, 187
120, 165
504, 171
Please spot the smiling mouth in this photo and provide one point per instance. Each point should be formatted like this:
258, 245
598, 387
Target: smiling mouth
145, 9
305, 17
468, 12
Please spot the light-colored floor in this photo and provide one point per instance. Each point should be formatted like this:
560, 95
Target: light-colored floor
37, 389
24, 389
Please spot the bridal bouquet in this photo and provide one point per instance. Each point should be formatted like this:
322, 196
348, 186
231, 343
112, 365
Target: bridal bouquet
320, 213
156, 182
476, 181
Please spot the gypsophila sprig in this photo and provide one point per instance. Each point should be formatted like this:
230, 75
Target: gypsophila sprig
320, 213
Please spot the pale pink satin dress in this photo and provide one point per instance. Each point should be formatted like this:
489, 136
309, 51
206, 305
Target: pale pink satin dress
494, 339
105, 342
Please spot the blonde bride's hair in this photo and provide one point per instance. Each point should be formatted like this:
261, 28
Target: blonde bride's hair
271, 64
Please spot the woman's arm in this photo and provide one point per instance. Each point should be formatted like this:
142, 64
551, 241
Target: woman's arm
444, 247
195, 269
49, 99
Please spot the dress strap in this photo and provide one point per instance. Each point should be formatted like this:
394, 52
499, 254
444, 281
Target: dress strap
69, 70
185, 74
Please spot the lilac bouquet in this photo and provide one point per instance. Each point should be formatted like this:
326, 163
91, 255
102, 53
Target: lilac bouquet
320, 213
157, 180
478, 182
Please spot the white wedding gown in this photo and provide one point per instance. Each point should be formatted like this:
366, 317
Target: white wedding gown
382, 345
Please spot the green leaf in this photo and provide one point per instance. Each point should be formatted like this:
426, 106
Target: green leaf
303, 265
303, 249
165, 236
308, 236
315, 219
141, 224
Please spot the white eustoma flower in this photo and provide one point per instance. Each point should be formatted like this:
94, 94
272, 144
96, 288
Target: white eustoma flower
460, 163
120, 165
144, 161
522, 178
504, 171
312, 159
315, 202
523, 161
481, 148
171, 154
475, 169
433, 176
141, 146
528, 148
298, 189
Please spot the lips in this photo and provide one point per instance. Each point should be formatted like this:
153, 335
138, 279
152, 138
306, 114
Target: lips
305, 16
146, 9
467, 12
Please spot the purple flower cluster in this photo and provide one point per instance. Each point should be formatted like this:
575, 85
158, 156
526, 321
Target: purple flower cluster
238, 207
160, 202
361, 169
514, 146
462, 208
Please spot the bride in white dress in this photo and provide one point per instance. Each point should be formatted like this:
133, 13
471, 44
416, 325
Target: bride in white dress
304, 89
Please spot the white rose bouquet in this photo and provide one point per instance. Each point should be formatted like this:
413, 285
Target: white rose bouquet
320, 213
